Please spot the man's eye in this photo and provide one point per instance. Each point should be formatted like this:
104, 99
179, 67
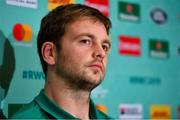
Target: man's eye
88, 42
105, 48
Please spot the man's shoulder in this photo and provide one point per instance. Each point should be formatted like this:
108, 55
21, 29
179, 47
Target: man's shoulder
29, 111
102, 115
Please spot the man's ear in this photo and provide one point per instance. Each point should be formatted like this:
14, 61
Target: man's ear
48, 52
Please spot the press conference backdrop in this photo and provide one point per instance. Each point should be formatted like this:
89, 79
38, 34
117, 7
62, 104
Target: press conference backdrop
143, 73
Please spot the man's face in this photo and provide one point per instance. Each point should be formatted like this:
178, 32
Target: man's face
82, 58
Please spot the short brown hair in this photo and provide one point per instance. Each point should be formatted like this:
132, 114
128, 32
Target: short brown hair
53, 25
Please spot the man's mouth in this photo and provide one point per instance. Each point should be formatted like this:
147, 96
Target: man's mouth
96, 66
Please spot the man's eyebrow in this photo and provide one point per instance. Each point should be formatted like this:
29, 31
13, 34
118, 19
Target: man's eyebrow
91, 36
85, 34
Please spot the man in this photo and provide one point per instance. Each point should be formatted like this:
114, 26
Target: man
73, 45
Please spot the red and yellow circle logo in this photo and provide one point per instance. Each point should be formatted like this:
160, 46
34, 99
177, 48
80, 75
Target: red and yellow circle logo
22, 32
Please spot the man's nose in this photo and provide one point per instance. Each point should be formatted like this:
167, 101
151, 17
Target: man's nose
99, 52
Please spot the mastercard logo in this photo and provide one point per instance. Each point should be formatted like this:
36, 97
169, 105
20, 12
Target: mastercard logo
22, 32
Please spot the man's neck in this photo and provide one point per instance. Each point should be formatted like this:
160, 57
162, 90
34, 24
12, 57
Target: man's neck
75, 102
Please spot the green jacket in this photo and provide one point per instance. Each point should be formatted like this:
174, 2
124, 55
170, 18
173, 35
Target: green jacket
43, 108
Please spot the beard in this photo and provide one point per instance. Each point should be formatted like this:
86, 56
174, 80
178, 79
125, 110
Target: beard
75, 75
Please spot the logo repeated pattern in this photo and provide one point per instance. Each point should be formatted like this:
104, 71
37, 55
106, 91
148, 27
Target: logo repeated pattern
22, 32
129, 11
158, 16
158, 49
55, 3
131, 111
101, 5
129, 45
160, 112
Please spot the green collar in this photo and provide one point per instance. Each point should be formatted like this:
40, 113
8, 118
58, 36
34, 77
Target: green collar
50, 108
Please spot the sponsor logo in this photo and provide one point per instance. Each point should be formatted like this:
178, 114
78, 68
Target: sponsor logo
101, 5
52, 4
102, 108
22, 32
130, 111
129, 45
23, 3
158, 48
158, 16
178, 109
160, 112
33, 75
140, 80
129, 11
